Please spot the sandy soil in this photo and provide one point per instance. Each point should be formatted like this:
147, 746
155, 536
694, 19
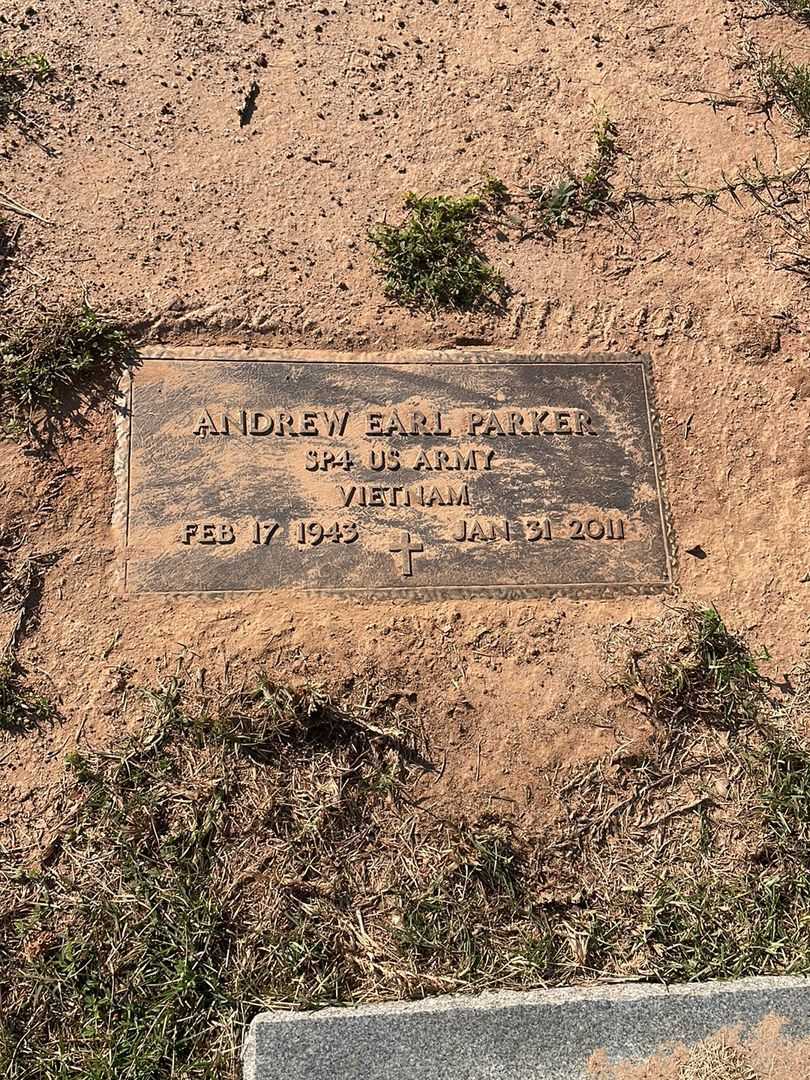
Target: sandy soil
199, 228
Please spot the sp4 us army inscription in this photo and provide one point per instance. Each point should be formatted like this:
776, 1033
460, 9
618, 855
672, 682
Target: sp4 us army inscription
428, 475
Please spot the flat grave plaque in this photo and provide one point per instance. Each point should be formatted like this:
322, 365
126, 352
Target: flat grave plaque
430, 475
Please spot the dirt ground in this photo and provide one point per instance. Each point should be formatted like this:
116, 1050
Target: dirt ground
199, 223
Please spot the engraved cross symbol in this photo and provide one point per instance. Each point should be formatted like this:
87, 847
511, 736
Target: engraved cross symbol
408, 549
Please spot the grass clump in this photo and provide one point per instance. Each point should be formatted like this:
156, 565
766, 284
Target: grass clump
721, 928
432, 260
141, 950
786, 795
699, 672
788, 85
705, 825
39, 359
52, 358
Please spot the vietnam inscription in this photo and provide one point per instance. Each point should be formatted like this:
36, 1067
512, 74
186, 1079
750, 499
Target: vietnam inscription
445, 474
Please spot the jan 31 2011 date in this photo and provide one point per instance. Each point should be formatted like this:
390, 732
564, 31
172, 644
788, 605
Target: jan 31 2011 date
314, 533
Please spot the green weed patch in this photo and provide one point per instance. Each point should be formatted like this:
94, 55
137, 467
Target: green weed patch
432, 260
50, 359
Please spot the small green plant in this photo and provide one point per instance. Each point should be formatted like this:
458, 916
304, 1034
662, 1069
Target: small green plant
25, 66
19, 72
495, 193
51, 357
563, 201
432, 260
788, 85
20, 709
578, 197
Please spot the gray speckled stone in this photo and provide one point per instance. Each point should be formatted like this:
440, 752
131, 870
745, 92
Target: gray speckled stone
542, 1035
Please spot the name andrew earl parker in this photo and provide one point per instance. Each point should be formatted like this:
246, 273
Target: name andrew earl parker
331, 422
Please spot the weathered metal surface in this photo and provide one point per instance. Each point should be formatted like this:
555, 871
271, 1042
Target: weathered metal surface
478, 474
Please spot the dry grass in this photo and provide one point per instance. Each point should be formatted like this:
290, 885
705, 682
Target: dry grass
257, 846
716, 1061
9, 238
780, 199
783, 200
16, 572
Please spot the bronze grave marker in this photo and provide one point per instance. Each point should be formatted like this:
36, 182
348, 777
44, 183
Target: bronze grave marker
429, 475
